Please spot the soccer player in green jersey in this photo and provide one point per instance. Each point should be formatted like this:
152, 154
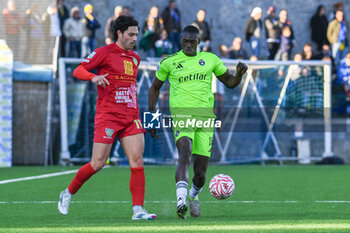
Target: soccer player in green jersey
190, 76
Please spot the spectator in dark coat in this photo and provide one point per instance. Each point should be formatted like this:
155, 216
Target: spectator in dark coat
319, 24
204, 30
63, 15
253, 30
172, 23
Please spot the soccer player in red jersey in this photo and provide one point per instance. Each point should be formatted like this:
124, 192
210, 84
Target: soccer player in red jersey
117, 113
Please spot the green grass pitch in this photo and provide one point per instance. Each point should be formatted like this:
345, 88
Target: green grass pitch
270, 198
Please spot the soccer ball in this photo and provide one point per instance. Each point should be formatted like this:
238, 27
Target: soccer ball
221, 186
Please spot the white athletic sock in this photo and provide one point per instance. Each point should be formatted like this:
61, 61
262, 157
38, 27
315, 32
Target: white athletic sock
136, 208
194, 191
181, 191
67, 192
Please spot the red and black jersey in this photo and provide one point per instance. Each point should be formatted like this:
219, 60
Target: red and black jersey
120, 97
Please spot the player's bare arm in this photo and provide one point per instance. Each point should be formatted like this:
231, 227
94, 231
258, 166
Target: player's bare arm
153, 96
230, 80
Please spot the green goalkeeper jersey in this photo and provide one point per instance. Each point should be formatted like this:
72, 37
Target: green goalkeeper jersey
190, 80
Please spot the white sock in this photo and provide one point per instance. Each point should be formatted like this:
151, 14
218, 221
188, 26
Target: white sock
181, 191
67, 192
194, 191
136, 208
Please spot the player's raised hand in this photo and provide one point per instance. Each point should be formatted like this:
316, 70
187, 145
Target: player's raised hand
153, 133
100, 80
241, 68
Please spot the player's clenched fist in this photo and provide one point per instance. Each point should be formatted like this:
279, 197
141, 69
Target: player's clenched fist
241, 68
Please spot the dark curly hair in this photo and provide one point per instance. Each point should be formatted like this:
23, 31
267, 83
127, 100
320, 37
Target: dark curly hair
122, 23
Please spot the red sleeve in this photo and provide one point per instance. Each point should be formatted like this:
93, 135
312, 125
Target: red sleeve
81, 73
93, 61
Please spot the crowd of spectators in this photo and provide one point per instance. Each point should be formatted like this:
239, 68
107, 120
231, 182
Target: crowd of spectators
160, 34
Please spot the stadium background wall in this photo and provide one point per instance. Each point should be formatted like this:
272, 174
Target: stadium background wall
226, 17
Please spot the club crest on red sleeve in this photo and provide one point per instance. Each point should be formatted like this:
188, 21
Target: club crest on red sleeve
135, 61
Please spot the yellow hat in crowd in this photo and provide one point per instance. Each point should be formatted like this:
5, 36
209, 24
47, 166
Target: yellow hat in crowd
88, 7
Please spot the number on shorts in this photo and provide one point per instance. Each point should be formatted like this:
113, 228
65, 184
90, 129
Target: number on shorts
138, 123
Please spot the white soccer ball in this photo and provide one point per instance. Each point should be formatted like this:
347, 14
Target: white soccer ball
221, 186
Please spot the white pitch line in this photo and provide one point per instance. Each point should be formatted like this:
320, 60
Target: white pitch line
38, 177
332, 201
162, 202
